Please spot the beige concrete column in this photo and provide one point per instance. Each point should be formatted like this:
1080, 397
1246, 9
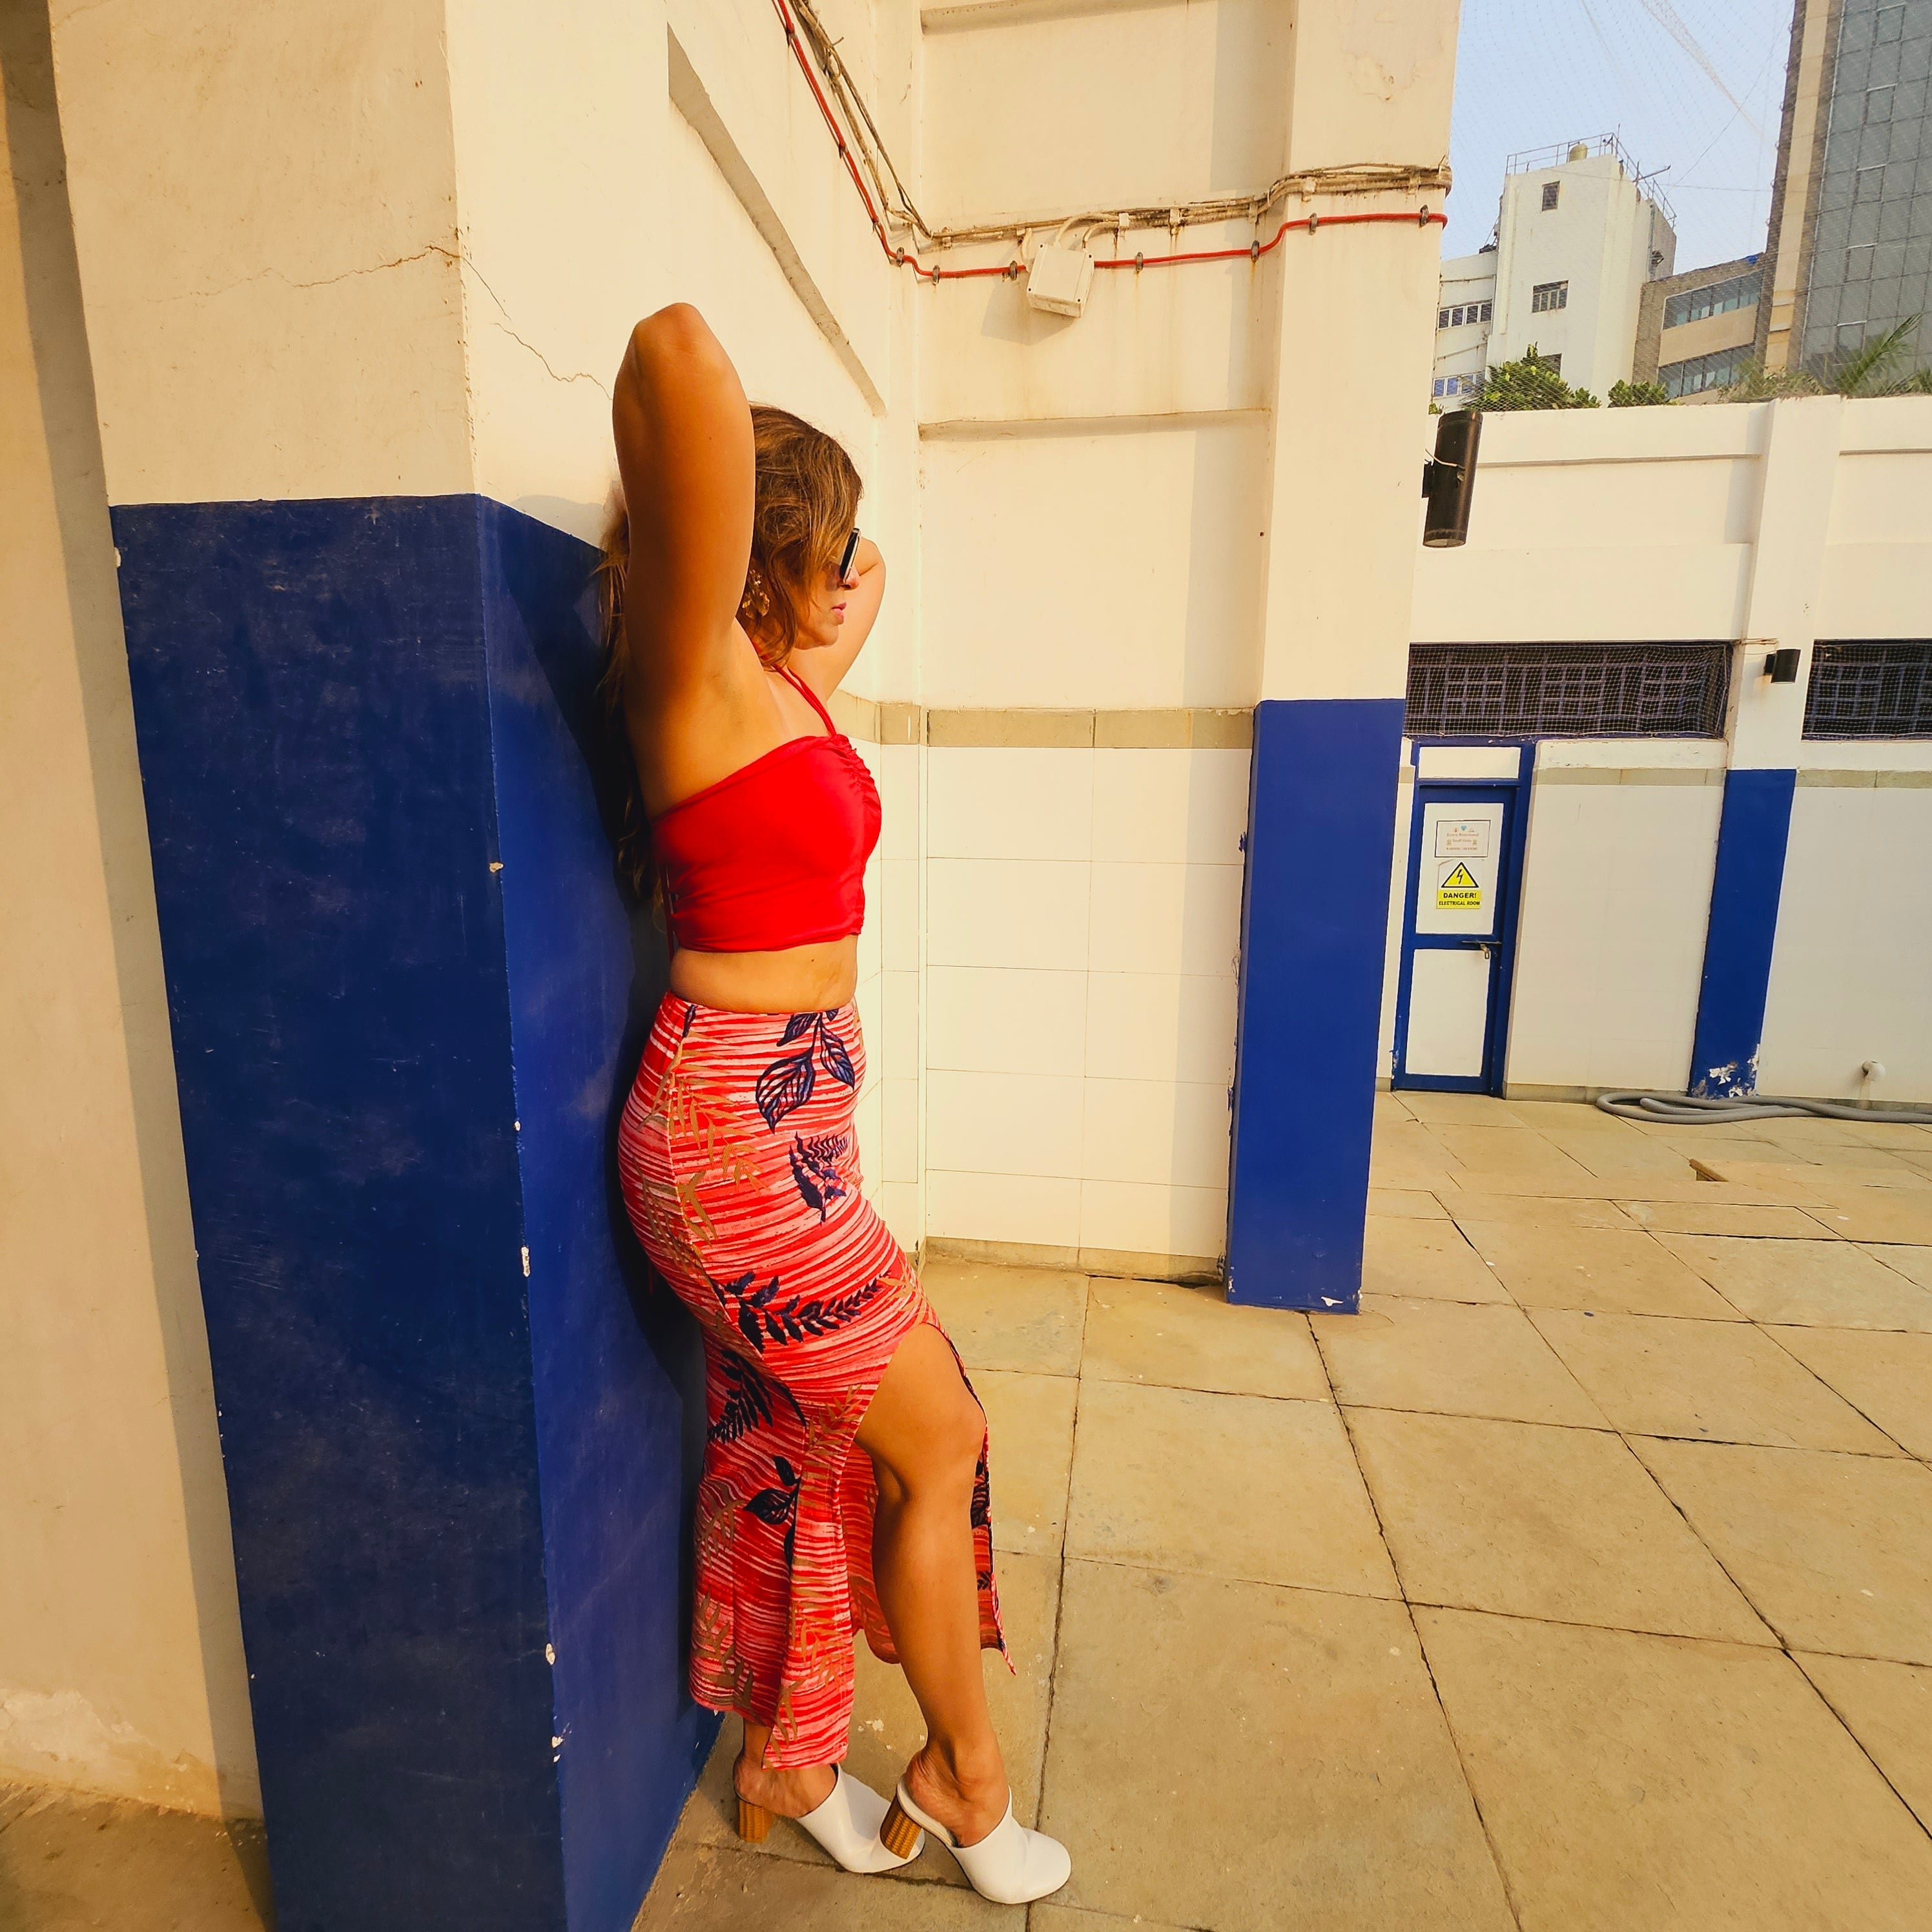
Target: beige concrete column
121, 1667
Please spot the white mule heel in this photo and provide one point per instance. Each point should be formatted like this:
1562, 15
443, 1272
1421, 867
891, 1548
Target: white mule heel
846, 1824
1010, 1865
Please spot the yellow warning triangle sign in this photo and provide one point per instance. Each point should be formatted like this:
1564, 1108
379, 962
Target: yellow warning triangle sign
1458, 880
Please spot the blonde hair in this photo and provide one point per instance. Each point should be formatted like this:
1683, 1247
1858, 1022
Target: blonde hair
806, 499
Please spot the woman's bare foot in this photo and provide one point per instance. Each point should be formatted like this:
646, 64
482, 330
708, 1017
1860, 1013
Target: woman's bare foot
969, 1799
789, 1794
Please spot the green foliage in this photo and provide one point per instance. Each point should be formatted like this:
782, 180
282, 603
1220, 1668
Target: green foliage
1529, 383
1872, 370
1637, 395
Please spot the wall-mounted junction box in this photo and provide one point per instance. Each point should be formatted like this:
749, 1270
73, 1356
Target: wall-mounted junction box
1059, 279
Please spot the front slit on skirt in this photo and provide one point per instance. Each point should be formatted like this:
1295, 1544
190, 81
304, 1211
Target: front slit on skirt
740, 1167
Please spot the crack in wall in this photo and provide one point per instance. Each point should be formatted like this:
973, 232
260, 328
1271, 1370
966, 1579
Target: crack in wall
457, 256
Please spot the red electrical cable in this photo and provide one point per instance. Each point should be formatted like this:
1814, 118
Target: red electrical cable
1421, 218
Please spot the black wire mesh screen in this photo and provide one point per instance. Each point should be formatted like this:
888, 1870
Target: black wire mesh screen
1870, 690
1568, 691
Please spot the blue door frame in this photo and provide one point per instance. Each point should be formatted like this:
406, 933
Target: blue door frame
1509, 878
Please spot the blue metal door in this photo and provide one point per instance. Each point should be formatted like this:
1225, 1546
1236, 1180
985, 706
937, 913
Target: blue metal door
1459, 933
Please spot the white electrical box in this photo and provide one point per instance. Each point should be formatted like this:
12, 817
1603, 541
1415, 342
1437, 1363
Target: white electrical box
1059, 279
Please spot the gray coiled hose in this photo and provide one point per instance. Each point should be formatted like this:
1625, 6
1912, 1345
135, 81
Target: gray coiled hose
1685, 1110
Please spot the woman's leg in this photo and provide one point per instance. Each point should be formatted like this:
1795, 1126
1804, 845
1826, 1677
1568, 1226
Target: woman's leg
923, 1433
791, 1794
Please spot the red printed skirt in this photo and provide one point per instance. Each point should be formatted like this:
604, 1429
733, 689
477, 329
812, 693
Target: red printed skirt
740, 1172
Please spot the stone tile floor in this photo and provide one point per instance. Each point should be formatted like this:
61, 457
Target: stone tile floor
1583, 1579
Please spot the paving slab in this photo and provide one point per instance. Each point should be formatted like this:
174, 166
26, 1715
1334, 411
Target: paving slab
1519, 1153
1896, 1216
1914, 1263
1822, 1284
1887, 1708
1151, 1331
1536, 1521
1236, 1756
1629, 1158
1718, 1217
1430, 1260
1030, 1457
69, 1862
1579, 1116
1406, 1154
1623, 1270
1223, 1485
1538, 1211
1010, 1318
887, 1727
1048, 1917
1834, 1551
1769, 1181
717, 1888
1478, 1110
1451, 1357
1406, 1203
1638, 1784
1888, 1377
1716, 1381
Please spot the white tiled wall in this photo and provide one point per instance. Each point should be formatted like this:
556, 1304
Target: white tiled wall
888, 997
1082, 924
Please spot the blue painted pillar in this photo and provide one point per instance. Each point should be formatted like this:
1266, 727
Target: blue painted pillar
459, 1428
1745, 891
1314, 929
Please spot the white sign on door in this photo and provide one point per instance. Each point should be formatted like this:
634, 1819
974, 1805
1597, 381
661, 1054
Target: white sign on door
1459, 867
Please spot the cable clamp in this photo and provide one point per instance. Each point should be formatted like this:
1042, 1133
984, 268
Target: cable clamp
1314, 220
1254, 251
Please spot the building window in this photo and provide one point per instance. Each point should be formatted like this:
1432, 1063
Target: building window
1547, 295
1714, 298
1554, 363
1551, 190
1455, 318
1438, 390
1568, 691
1890, 25
1695, 373
1441, 318
1870, 690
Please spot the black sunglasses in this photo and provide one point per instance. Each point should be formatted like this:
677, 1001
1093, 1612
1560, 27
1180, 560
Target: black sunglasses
851, 551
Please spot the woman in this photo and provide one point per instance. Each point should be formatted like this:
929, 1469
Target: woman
729, 623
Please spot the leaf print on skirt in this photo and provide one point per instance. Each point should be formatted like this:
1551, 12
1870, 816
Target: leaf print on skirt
802, 1296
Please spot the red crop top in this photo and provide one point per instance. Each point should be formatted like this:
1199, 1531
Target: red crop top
773, 854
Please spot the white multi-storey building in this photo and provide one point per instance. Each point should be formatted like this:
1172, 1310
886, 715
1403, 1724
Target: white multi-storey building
1463, 320
1579, 234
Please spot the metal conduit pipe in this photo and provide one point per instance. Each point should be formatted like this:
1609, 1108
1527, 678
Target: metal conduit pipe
1686, 1110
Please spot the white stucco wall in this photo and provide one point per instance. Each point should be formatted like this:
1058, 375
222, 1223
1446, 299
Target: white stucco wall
121, 1664
1779, 524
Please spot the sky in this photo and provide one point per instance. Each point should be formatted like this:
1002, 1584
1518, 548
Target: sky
1532, 73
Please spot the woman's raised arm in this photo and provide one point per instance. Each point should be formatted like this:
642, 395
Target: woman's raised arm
683, 431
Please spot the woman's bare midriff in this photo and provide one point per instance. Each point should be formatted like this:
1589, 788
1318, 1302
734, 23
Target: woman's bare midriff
797, 979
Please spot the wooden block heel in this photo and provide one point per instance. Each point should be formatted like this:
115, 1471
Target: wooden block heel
754, 1821
898, 1833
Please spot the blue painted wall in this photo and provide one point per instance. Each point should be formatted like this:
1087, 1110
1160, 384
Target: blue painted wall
1745, 888
347, 711
1314, 931
619, 1376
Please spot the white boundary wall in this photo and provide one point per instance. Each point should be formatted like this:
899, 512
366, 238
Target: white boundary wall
1649, 525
